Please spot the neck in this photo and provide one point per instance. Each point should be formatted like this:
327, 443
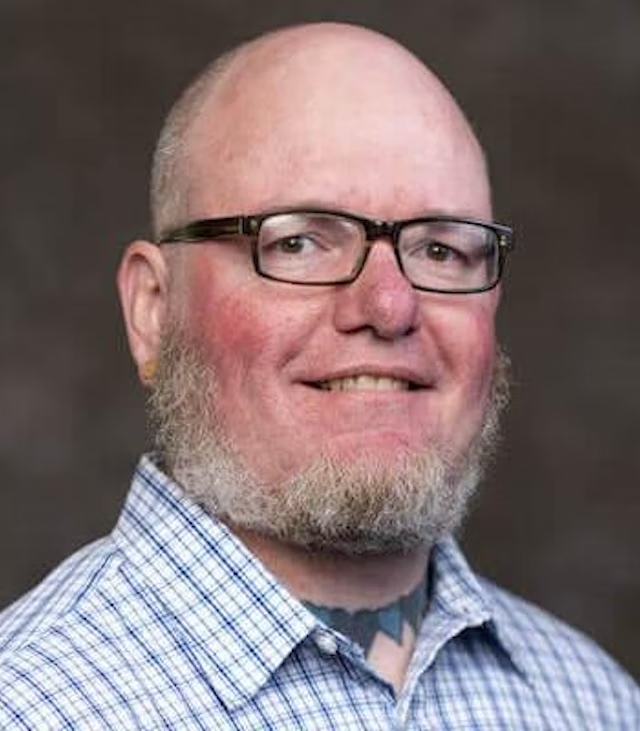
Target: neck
365, 625
378, 601
335, 579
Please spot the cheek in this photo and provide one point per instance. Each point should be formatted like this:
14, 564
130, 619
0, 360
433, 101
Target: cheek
232, 335
217, 314
246, 326
466, 338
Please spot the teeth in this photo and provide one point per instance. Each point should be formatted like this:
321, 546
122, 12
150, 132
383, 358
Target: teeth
365, 383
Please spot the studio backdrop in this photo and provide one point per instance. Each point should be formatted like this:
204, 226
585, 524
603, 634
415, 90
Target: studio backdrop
553, 89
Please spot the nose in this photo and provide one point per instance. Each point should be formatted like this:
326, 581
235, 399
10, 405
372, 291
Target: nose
381, 299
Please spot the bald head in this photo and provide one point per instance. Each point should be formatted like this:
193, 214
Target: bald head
280, 106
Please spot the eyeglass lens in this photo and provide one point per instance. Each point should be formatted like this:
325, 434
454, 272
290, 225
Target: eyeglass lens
322, 247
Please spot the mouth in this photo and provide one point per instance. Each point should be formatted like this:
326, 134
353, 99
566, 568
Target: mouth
366, 382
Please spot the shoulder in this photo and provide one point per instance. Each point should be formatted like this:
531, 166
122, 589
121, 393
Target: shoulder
49, 636
51, 602
566, 668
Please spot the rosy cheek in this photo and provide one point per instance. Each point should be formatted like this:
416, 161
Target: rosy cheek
479, 346
464, 330
217, 306
199, 295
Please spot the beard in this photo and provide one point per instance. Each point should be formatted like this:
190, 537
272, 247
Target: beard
365, 506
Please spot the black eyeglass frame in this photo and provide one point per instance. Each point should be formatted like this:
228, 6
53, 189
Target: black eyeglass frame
213, 230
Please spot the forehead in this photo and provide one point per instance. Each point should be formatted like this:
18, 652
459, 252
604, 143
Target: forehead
343, 127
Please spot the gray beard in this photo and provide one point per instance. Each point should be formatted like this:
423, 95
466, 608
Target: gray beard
362, 507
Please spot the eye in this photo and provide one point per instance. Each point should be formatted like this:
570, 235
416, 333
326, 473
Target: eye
436, 251
439, 252
299, 244
303, 245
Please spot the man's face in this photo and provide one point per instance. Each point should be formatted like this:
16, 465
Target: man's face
370, 372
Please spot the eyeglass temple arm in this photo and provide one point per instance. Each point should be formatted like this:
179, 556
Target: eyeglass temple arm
210, 228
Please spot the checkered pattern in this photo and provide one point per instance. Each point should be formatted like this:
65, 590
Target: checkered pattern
169, 623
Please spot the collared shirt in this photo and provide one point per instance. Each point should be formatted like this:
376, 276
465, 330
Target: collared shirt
170, 623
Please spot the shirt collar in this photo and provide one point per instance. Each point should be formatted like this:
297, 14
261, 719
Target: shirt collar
237, 620
461, 600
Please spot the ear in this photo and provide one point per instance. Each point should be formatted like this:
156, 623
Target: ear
143, 287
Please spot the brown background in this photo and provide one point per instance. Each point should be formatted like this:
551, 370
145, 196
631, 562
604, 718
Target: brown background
554, 88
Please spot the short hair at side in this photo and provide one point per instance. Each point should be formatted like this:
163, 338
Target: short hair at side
167, 194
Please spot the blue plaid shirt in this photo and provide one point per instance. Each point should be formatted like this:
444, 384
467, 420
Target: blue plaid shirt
170, 623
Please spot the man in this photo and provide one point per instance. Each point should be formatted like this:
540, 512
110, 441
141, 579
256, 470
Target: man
315, 322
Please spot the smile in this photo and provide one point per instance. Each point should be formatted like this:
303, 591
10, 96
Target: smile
366, 383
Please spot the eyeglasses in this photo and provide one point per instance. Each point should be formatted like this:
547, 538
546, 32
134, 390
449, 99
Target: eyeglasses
317, 247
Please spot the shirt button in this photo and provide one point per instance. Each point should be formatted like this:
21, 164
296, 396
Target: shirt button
326, 643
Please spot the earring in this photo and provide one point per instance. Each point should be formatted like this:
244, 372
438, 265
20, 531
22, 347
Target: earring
147, 372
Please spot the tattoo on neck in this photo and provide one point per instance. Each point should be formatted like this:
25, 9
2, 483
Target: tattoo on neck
363, 625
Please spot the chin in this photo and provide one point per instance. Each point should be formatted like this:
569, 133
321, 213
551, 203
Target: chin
375, 445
